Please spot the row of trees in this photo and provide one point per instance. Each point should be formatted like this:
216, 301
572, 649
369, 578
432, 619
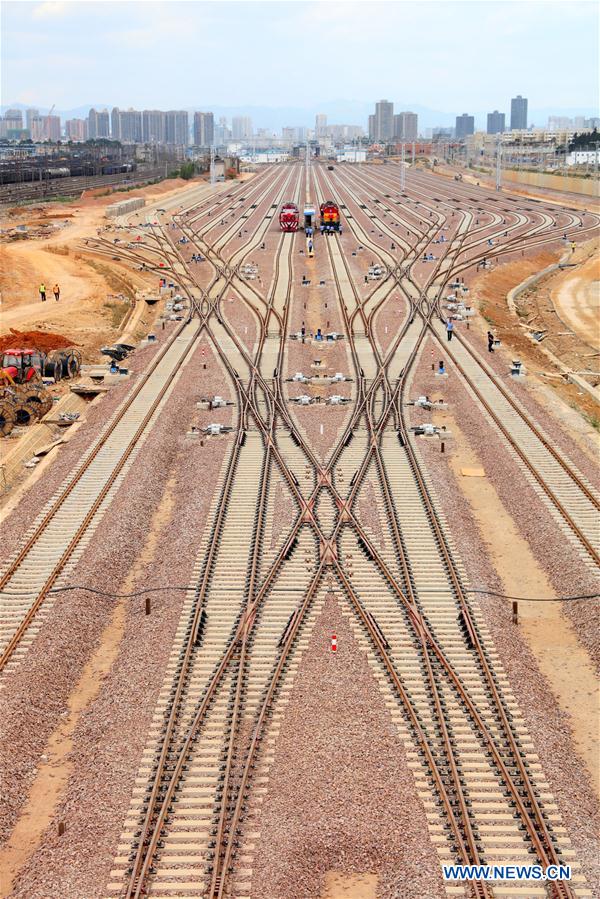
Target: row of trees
585, 141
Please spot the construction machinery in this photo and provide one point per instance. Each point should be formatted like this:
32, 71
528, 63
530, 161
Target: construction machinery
23, 396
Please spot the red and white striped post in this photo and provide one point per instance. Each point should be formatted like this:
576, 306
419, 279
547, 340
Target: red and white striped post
334, 643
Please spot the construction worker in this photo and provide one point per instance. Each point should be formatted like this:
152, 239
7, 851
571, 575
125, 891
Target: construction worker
449, 328
56, 292
490, 340
43, 293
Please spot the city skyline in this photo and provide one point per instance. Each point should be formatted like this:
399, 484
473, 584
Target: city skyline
549, 118
199, 128
58, 39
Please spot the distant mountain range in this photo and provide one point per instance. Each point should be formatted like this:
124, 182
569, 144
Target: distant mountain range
338, 112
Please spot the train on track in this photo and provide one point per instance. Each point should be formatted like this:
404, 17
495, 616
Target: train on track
330, 217
11, 174
289, 217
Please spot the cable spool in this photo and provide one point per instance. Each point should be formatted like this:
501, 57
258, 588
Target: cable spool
8, 417
39, 398
71, 363
26, 413
54, 369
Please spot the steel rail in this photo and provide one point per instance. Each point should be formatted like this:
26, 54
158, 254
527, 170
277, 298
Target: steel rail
547, 845
240, 795
558, 458
57, 504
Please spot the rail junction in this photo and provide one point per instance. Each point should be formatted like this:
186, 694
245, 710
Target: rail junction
194, 822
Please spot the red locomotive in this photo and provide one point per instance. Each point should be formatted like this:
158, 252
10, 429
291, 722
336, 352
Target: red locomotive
330, 217
289, 217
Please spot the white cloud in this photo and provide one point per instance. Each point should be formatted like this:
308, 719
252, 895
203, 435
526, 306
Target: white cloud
50, 9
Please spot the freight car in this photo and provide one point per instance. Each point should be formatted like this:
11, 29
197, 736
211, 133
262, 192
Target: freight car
330, 217
289, 217
59, 172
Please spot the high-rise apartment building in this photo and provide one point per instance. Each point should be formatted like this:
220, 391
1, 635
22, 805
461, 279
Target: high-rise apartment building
384, 121
496, 122
153, 126
204, 129
406, 126
115, 123
465, 125
130, 126
98, 124
320, 125
222, 132
339, 133
76, 129
31, 114
371, 127
353, 132
14, 119
51, 126
518, 113
11, 123
36, 128
559, 123
297, 133
177, 129
241, 127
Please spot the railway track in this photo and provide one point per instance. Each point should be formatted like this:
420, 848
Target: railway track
66, 525
557, 480
71, 187
63, 530
409, 609
287, 528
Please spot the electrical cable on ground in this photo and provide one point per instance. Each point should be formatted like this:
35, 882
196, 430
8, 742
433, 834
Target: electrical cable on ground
538, 598
583, 596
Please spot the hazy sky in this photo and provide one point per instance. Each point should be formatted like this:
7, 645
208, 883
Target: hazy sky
462, 56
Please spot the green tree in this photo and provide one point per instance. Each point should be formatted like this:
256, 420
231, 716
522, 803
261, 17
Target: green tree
187, 170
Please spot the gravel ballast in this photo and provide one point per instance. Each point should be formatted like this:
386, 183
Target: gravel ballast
112, 732
69, 456
346, 801
548, 726
559, 559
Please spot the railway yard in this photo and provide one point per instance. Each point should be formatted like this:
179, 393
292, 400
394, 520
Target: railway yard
282, 619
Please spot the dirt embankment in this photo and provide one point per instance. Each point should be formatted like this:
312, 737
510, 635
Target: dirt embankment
490, 290
576, 297
95, 293
88, 309
514, 188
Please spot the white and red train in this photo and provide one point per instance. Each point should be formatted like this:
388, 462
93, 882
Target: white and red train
289, 217
330, 219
